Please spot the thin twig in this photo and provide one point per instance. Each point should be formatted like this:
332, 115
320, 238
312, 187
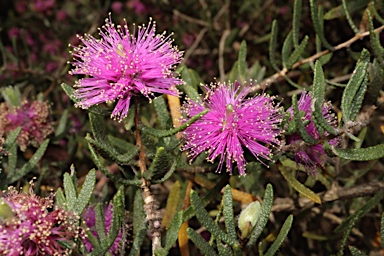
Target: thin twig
221, 53
268, 81
151, 206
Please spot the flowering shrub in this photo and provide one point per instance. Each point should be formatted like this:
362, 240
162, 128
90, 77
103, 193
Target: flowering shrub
236, 117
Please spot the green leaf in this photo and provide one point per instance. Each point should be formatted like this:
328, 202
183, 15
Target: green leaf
376, 46
60, 198
297, 9
317, 25
27, 167
100, 223
359, 98
60, 130
12, 160
116, 179
11, 139
86, 192
273, 45
173, 231
192, 80
351, 220
280, 238
299, 187
354, 84
357, 154
299, 123
166, 133
338, 11
12, 96
200, 243
160, 165
118, 215
318, 99
297, 53
355, 251
349, 18
96, 109
212, 194
203, 216
162, 112
139, 224
266, 207
287, 49
70, 191
242, 63
223, 249
229, 218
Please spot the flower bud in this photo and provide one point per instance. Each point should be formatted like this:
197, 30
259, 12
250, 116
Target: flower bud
248, 218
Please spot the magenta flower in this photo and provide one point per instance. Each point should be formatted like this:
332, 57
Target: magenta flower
89, 217
231, 124
311, 156
121, 65
31, 225
34, 118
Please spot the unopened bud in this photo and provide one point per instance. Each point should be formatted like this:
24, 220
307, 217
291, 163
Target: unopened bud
248, 218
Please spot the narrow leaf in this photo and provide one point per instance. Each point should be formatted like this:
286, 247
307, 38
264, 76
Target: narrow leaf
224, 250
162, 112
86, 192
299, 187
355, 251
266, 207
273, 45
60, 198
287, 49
160, 165
353, 85
162, 133
203, 216
60, 130
280, 238
349, 18
100, 223
297, 9
229, 217
358, 154
173, 231
11, 138
317, 24
201, 243
376, 46
27, 167
318, 95
359, 98
139, 224
70, 191
242, 63
297, 53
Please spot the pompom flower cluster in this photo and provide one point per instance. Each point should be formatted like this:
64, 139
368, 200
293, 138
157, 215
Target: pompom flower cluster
89, 217
232, 123
121, 65
31, 225
33, 117
311, 156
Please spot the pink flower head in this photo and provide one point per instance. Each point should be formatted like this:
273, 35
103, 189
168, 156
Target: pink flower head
89, 216
34, 118
34, 226
231, 124
121, 65
311, 156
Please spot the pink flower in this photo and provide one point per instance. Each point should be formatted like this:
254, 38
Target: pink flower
121, 65
34, 119
232, 124
89, 217
33, 226
311, 156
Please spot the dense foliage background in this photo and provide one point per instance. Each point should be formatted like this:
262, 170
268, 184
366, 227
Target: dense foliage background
221, 40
